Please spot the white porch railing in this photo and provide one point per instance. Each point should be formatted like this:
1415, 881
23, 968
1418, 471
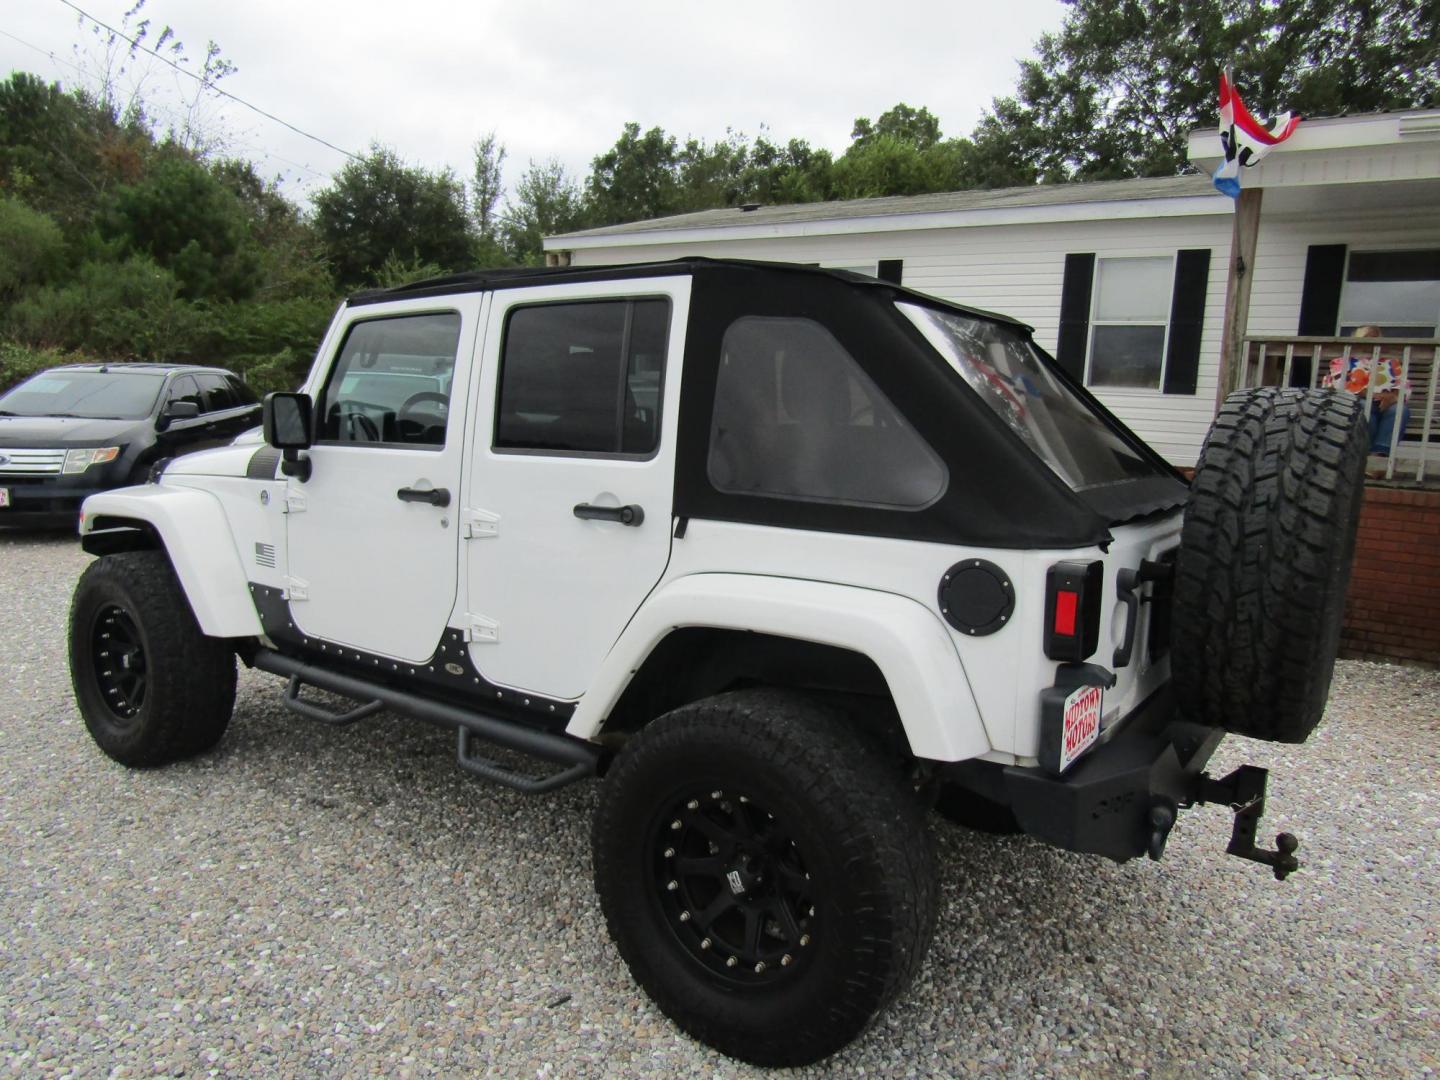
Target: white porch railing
1304, 361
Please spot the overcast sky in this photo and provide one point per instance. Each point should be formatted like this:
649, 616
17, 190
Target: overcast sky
427, 77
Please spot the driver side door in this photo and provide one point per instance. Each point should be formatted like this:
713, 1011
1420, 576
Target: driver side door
371, 535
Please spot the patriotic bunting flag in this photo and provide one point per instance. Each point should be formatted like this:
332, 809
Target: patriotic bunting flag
1245, 139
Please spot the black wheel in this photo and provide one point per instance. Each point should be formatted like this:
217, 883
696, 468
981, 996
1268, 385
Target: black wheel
766, 875
151, 686
1265, 560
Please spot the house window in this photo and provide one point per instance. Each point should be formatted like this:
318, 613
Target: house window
1398, 291
1129, 322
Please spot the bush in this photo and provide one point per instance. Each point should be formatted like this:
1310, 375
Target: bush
32, 248
127, 310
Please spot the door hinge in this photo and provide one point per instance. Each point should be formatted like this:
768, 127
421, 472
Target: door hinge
296, 589
294, 501
481, 630
480, 524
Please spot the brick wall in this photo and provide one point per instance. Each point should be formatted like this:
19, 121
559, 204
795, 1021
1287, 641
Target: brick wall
1393, 609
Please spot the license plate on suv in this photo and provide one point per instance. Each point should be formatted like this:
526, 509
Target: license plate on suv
4, 497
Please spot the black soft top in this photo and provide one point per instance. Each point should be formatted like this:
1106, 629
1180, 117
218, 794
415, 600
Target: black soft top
519, 277
1000, 493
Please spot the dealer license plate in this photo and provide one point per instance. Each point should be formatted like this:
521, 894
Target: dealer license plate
1082, 724
4, 496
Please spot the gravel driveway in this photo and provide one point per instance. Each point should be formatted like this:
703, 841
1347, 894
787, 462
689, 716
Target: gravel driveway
315, 902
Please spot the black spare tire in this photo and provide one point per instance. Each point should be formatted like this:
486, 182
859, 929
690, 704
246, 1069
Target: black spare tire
1264, 560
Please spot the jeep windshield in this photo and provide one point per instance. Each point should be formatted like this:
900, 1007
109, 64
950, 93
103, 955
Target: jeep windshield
1008, 374
92, 395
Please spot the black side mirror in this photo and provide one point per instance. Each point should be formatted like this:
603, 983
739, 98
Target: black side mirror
176, 410
287, 422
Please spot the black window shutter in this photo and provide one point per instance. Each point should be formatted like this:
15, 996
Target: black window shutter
1187, 320
1320, 296
1075, 313
890, 270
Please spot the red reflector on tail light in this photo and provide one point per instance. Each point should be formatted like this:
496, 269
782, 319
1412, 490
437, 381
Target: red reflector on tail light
1072, 609
1066, 604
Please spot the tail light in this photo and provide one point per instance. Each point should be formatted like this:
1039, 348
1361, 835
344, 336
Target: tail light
1072, 609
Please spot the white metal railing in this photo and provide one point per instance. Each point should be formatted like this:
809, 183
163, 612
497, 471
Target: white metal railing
1304, 361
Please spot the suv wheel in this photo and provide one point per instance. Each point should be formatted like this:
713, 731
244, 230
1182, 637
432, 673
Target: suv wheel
1265, 560
151, 686
767, 877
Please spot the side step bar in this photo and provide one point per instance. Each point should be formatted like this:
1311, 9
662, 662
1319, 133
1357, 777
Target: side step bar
578, 758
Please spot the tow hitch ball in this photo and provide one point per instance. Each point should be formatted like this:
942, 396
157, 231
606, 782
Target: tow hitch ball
1244, 792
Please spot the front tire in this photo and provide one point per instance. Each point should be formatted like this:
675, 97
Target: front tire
767, 877
151, 687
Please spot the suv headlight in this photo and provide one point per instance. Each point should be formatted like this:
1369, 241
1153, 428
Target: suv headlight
77, 461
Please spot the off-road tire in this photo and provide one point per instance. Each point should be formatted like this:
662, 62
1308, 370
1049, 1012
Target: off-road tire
187, 691
1264, 561
852, 823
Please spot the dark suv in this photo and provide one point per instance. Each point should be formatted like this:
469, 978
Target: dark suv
71, 431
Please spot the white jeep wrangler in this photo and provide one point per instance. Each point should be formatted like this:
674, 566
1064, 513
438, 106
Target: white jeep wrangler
787, 556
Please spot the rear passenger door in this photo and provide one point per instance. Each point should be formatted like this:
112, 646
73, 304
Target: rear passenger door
569, 491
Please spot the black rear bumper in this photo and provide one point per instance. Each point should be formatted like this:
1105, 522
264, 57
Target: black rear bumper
1108, 802
1104, 803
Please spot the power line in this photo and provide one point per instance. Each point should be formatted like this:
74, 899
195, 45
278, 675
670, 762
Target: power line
211, 86
46, 52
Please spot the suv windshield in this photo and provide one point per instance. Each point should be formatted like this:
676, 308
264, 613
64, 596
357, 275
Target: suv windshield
94, 395
1008, 374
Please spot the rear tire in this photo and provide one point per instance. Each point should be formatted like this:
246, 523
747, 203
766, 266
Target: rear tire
768, 878
1264, 561
151, 687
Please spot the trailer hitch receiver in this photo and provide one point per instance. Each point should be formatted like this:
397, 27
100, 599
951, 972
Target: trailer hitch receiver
1244, 792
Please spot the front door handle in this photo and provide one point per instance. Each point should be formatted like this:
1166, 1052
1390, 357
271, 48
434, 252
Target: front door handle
433, 496
625, 515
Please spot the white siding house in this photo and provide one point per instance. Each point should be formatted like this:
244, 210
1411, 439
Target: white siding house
1148, 262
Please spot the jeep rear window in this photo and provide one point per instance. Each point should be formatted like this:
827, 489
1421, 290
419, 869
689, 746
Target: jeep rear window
1008, 374
797, 418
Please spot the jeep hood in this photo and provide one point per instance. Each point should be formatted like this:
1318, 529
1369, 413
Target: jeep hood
222, 461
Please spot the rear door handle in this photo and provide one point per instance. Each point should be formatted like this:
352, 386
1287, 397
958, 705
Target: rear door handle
433, 496
625, 515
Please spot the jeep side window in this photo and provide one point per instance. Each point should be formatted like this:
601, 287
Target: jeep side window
583, 377
797, 418
391, 381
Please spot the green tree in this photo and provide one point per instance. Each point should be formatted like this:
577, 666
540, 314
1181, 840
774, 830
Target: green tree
635, 179
793, 173
546, 202
915, 127
188, 221
61, 152
1115, 92
487, 184
32, 248
378, 206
